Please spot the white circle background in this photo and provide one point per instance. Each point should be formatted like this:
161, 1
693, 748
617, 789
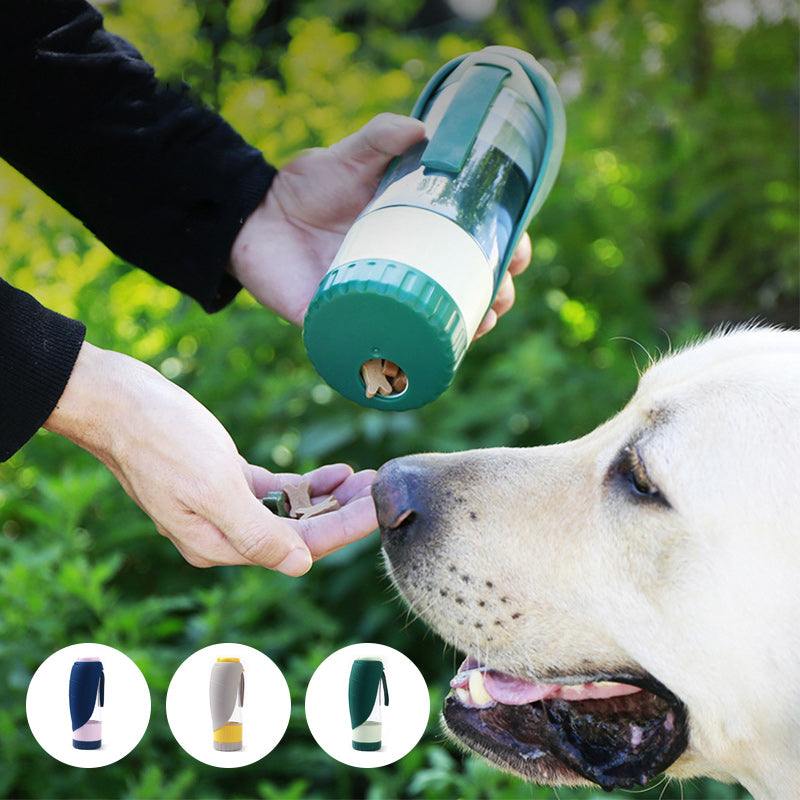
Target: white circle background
265, 714
125, 714
403, 721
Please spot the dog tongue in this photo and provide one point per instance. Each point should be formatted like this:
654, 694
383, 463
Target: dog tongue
514, 691
504, 688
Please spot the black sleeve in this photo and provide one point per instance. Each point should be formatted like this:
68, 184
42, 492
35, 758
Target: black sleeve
164, 182
38, 349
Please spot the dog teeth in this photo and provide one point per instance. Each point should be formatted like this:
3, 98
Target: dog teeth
601, 690
477, 690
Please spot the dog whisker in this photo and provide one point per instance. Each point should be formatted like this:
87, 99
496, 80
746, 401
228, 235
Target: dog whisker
665, 783
650, 359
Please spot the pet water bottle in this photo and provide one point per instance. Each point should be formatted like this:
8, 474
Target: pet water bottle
226, 695
86, 699
420, 267
367, 677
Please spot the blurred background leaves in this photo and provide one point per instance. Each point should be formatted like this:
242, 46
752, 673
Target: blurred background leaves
676, 210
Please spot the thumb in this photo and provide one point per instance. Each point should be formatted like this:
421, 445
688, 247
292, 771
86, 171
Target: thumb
383, 137
261, 537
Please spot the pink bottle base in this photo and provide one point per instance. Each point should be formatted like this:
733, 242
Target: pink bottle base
92, 731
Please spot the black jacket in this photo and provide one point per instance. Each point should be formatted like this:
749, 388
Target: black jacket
164, 182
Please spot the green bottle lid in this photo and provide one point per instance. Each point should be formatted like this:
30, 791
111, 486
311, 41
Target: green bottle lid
381, 309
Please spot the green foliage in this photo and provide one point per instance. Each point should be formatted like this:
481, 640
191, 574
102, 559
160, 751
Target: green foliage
676, 208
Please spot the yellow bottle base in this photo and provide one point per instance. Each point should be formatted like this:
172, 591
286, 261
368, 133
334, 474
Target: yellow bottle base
229, 734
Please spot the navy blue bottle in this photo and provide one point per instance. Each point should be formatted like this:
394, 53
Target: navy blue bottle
86, 698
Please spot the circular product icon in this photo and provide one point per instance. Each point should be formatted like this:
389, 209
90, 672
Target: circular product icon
367, 705
88, 705
228, 705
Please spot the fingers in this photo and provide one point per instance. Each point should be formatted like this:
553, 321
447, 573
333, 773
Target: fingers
382, 138
504, 299
326, 533
329, 532
521, 257
354, 487
502, 303
257, 535
234, 527
322, 480
487, 323
336, 479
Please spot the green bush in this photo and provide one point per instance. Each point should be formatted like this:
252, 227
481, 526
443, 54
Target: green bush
676, 208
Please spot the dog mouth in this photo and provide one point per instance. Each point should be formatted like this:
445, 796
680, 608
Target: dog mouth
616, 731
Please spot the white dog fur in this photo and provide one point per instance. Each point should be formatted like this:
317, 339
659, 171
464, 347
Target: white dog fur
564, 562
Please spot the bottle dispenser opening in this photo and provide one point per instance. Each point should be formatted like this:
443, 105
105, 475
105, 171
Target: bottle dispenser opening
383, 378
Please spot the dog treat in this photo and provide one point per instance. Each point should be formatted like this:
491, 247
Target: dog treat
276, 503
390, 369
330, 503
295, 502
400, 383
383, 377
297, 496
375, 380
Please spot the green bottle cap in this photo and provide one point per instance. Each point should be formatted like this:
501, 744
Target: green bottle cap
380, 309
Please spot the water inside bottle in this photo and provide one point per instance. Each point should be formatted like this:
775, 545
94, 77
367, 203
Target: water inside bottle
486, 197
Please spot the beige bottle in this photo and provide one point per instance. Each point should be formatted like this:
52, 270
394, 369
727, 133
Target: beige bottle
226, 695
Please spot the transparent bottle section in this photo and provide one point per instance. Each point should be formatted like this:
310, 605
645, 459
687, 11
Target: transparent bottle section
488, 195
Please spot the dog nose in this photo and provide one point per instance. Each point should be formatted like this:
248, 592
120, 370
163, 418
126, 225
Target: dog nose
394, 492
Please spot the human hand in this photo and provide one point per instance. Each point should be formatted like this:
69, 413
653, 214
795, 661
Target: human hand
175, 459
288, 243
504, 299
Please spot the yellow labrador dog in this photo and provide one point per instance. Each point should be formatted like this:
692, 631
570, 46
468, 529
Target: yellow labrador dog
629, 602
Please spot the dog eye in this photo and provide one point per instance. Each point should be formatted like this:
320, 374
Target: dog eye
631, 470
